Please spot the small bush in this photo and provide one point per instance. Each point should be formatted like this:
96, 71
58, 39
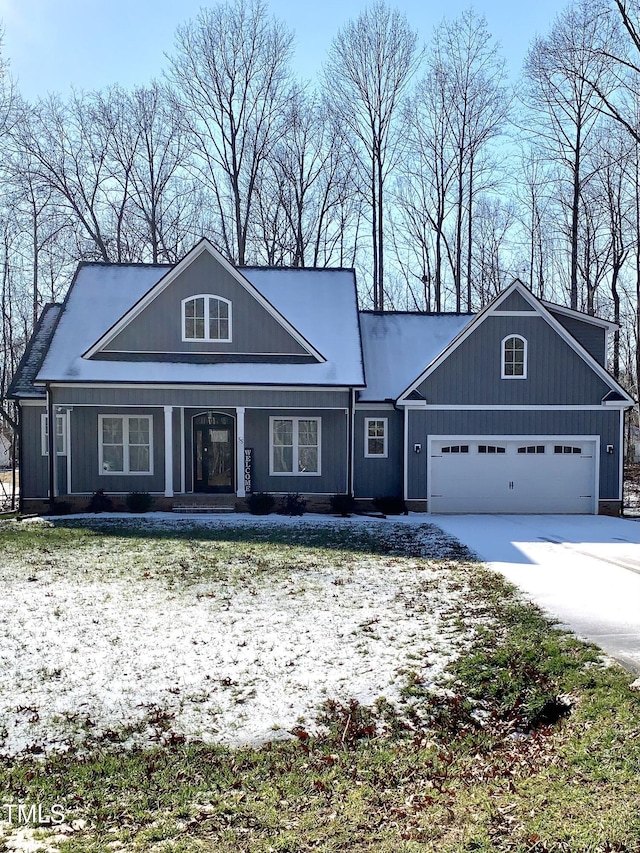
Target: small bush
139, 501
260, 503
292, 504
62, 508
100, 502
343, 505
390, 505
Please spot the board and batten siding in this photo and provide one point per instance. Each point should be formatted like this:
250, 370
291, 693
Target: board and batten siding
471, 374
376, 477
593, 338
515, 302
158, 328
85, 474
606, 423
202, 398
333, 437
34, 473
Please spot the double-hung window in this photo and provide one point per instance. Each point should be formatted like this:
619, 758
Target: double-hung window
514, 357
375, 438
295, 446
206, 318
61, 434
125, 444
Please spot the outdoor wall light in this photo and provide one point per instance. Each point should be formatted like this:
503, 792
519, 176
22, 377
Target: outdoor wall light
417, 448
609, 448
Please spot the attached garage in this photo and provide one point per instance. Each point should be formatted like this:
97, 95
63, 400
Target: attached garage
495, 474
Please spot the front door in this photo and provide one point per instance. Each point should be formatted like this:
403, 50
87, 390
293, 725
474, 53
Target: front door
213, 456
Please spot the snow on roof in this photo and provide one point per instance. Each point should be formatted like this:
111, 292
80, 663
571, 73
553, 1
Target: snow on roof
22, 383
398, 347
321, 304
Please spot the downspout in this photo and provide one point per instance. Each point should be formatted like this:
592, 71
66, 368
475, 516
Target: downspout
351, 448
51, 436
20, 461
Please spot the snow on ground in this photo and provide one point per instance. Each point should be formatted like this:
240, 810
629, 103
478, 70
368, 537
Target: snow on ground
113, 641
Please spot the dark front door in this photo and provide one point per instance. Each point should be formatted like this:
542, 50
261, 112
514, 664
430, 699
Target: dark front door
213, 456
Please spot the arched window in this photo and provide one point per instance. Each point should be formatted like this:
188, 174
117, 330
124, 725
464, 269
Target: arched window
514, 357
206, 318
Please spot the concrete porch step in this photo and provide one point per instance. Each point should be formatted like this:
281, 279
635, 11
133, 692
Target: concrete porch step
200, 508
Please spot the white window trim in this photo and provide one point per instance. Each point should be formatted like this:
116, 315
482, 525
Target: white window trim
508, 337
385, 438
206, 339
44, 437
295, 473
125, 443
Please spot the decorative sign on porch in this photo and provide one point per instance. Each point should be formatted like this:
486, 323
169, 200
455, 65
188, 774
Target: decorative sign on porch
248, 470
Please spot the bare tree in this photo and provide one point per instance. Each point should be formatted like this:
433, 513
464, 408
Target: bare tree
564, 107
231, 71
370, 64
477, 103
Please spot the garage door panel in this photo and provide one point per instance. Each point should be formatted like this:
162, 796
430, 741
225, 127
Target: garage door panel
550, 475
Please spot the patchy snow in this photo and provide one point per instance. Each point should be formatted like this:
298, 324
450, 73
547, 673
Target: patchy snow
109, 638
398, 347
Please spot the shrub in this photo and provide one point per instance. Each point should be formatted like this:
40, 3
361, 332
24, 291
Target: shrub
292, 504
343, 505
260, 503
100, 502
62, 507
390, 505
139, 501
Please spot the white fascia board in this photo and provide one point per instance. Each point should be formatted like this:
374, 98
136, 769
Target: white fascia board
203, 246
580, 315
198, 386
540, 308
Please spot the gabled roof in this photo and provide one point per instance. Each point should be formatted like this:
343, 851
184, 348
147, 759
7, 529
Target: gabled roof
30, 363
320, 304
396, 347
537, 306
172, 274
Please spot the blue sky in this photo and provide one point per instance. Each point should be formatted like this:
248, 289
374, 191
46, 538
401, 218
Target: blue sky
54, 44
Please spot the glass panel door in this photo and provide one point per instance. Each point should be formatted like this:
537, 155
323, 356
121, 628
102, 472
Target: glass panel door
213, 440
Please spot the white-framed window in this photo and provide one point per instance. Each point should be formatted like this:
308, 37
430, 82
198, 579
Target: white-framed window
61, 434
376, 431
514, 357
294, 446
125, 444
206, 318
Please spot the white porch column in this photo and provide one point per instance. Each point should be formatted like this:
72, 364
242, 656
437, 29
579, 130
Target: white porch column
240, 492
168, 451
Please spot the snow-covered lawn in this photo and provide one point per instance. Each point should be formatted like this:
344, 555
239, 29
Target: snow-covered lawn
144, 638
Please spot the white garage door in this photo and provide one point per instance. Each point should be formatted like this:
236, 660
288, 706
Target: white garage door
530, 475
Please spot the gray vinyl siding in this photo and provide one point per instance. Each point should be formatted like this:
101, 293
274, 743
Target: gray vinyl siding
606, 423
375, 477
515, 302
333, 477
556, 374
593, 338
202, 398
158, 328
85, 475
34, 473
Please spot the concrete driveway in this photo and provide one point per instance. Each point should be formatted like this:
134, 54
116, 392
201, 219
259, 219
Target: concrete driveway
582, 570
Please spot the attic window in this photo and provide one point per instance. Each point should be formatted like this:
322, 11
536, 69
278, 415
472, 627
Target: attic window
514, 357
206, 318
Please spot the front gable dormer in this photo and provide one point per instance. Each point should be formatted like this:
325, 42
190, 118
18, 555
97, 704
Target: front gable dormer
516, 337
204, 309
